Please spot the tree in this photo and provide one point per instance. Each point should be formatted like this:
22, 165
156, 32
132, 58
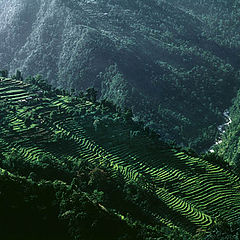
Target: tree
91, 94
19, 75
28, 121
53, 115
4, 73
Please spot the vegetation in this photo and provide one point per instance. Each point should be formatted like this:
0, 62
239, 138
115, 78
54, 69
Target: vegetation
172, 62
229, 148
83, 169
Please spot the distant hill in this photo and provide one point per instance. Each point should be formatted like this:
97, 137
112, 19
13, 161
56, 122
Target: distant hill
175, 63
95, 166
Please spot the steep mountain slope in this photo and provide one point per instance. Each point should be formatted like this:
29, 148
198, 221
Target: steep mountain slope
124, 170
229, 147
54, 210
172, 62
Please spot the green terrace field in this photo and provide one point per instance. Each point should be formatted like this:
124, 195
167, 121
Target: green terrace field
63, 131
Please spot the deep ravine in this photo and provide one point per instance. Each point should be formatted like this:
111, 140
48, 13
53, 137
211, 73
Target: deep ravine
221, 129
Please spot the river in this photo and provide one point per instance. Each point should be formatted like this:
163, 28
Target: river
221, 129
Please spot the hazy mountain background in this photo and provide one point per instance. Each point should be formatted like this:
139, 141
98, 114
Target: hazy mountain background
175, 63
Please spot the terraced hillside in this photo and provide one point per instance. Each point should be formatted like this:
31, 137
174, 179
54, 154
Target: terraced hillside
52, 128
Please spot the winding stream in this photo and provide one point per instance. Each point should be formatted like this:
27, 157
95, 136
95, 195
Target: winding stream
221, 129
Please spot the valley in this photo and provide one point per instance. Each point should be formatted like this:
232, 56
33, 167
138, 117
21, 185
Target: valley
171, 63
119, 120
49, 135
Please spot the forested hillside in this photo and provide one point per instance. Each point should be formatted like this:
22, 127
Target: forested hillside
229, 148
77, 168
175, 63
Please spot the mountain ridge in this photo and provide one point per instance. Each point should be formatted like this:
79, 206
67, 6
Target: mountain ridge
154, 52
